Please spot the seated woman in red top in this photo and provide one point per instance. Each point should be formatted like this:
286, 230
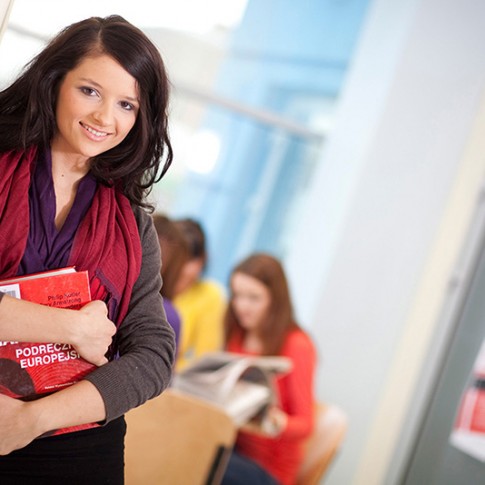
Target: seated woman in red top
259, 321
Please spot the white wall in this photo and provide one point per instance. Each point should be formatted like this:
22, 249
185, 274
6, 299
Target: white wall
377, 213
5, 7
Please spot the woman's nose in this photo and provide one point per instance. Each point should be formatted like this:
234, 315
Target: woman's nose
103, 115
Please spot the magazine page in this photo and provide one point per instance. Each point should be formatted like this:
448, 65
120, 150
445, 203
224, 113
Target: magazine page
241, 385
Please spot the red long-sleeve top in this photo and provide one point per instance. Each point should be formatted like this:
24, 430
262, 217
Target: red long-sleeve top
281, 455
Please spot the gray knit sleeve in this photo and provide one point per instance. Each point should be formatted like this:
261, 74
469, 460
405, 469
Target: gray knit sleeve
145, 339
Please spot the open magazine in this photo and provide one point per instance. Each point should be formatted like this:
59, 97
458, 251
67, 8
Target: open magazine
243, 386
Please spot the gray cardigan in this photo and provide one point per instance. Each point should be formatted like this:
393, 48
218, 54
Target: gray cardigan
145, 340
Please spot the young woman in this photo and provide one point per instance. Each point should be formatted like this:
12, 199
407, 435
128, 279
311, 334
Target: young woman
83, 136
201, 302
175, 253
259, 321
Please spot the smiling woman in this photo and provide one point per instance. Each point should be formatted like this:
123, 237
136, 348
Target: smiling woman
83, 137
97, 107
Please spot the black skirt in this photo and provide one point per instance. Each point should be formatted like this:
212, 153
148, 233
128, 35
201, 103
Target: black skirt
93, 456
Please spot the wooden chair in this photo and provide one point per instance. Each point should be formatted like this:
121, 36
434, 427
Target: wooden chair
323, 444
177, 439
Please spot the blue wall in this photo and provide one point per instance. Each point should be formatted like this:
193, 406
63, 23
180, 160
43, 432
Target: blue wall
290, 58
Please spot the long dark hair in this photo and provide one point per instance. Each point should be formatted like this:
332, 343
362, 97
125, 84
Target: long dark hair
28, 105
269, 271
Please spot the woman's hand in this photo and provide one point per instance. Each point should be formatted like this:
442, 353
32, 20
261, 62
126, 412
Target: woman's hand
92, 332
275, 421
18, 424
88, 330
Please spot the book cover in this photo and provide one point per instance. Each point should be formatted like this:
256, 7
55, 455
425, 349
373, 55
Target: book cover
243, 386
29, 370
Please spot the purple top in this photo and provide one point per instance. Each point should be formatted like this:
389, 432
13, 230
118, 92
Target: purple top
48, 248
173, 319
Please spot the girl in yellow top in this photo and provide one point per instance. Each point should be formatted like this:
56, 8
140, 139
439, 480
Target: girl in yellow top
201, 303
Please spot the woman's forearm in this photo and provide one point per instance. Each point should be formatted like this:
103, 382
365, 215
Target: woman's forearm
24, 321
88, 330
22, 422
80, 403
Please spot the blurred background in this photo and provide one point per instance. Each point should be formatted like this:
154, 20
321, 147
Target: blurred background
346, 138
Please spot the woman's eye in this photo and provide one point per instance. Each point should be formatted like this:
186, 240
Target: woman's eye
127, 106
88, 91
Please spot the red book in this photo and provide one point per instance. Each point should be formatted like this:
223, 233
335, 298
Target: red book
30, 370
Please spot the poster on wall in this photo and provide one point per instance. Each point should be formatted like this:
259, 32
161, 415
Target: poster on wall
468, 434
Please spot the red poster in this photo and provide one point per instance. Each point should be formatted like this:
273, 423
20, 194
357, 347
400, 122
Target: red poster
469, 430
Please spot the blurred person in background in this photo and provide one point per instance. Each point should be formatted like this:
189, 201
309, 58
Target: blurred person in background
259, 321
175, 253
201, 302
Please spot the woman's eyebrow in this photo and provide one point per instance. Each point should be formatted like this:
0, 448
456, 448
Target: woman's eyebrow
98, 86
91, 81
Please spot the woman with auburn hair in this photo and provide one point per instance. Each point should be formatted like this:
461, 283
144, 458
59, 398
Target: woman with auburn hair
259, 321
83, 138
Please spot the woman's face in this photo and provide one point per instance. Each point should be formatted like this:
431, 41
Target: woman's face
189, 274
250, 301
97, 106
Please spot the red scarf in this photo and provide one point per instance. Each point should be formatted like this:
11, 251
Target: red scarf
107, 242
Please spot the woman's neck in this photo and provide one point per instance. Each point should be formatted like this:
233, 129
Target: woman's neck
68, 165
252, 343
66, 175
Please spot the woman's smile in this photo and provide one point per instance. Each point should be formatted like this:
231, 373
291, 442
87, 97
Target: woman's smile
96, 133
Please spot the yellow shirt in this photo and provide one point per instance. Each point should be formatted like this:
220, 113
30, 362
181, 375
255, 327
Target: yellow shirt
201, 308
